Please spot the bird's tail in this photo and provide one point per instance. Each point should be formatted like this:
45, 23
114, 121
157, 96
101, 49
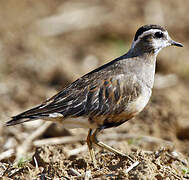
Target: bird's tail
18, 120
29, 115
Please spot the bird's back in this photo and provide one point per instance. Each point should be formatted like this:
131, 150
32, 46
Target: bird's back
104, 96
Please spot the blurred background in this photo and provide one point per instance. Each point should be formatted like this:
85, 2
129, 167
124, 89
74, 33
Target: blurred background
45, 45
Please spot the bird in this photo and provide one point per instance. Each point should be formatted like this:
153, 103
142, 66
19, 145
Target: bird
109, 95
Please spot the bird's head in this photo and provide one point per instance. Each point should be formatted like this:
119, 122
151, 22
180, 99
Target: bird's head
151, 39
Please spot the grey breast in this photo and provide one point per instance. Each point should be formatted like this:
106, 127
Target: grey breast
142, 71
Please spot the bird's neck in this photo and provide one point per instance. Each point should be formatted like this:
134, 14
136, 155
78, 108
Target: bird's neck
141, 64
148, 57
142, 49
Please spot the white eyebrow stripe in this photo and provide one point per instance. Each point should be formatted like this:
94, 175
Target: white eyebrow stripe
151, 31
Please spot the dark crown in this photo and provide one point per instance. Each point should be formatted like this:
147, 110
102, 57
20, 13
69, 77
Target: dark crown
144, 28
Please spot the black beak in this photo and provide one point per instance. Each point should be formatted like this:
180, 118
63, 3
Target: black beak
174, 43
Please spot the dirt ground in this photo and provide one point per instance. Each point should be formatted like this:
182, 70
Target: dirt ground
45, 45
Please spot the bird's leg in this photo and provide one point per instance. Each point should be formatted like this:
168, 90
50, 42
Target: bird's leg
102, 145
90, 146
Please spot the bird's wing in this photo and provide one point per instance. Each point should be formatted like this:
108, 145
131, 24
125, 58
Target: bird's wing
95, 94
100, 97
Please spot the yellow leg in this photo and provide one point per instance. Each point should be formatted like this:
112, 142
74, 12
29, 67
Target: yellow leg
90, 146
94, 140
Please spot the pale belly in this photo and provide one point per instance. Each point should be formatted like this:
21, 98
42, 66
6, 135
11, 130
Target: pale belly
138, 105
79, 122
71, 123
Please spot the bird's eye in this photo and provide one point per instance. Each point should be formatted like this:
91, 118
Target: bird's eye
158, 34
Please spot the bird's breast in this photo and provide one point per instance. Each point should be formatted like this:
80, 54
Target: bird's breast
137, 105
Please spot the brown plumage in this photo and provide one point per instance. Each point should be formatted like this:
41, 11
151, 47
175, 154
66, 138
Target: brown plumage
109, 95
101, 95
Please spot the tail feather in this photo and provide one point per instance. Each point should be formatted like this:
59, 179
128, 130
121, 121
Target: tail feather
16, 120
48, 111
26, 116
